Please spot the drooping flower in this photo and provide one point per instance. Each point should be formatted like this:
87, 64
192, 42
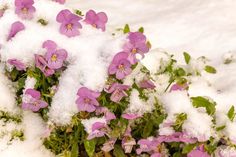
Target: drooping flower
98, 130
25, 8
146, 84
70, 24
18, 64
108, 114
180, 87
120, 66
41, 63
118, 92
199, 152
60, 1
137, 45
55, 58
147, 145
87, 100
131, 116
109, 145
32, 101
128, 141
97, 20
15, 28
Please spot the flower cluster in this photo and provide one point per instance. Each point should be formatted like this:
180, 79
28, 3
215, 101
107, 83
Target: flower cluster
52, 60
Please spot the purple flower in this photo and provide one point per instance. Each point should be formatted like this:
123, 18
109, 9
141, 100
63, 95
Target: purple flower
147, 145
108, 114
128, 142
15, 28
120, 66
137, 45
118, 92
176, 137
55, 58
147, 84
69, 23
177, 87
97, 20
130, 116
98, 130
41, 63
109, 145
60, 1
156, 155
199, 152
18, 64
31, 101
87, 100
25, 8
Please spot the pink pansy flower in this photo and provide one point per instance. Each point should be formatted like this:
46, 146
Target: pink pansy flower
176, 137
146, 145
55, 58
15, 28
177, 87
118, 92
87, 100
146, 84
108, 114
128, 142
199, 152
109, 145
98, 130
156, 155
32, 101
97, 20
25, 8
69, 23
60, 1
137, 45
131, 116
18, 64
41, 63
120, 66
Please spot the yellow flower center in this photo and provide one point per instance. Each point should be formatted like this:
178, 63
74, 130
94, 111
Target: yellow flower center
24, 10
121, 67
134, 50
94, 25
87, 100
54, 58
69, 26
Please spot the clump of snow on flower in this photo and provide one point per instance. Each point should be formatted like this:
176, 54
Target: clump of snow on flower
88, 123
198, 123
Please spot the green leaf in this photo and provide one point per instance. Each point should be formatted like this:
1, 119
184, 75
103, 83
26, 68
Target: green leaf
78, 12
147, 129
188, 148
180, 72
89, 146
187, 57
220, 128
118, 151
126, 29
177, 154
231, 113
141, 29
203, 102
180, 118
210, 69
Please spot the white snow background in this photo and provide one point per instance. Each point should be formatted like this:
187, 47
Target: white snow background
200, 27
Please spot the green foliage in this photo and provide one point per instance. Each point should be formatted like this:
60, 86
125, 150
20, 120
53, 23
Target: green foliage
126, 29
141, 30
79, 12
8, 117
188, 148
89, 146
17, 134
220, 128
180, 118
118, 151
231, 113
204, 102
210, 69
187, 57
43, 22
